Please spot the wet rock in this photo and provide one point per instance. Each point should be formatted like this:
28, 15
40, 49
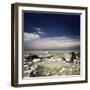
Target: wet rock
31, 57
36, 60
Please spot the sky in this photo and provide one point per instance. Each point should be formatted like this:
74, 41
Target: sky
51, 31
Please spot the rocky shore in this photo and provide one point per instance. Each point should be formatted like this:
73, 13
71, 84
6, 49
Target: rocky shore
49, 65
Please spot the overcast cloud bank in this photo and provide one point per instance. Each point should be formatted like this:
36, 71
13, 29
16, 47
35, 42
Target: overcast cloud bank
34, 41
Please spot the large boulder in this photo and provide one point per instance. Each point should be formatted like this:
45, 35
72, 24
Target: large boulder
67, 57
70, 57
73, 56
31, 57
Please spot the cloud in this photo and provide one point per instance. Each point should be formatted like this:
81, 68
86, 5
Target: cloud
52, 43
31, 36
41, 33
38, 30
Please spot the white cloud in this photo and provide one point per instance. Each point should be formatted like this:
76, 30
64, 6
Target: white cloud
52, 43
38, 30
41, 33
31, 36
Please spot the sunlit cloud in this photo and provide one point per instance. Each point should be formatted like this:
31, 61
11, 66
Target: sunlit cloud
30, 36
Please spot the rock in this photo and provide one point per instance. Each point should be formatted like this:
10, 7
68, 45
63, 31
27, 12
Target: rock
28, 71
49, 56
73, 66
36, 60
33, 67
70, 69
47, 73
73, 56
25, 66
25, 56
55, 75
76, 61
63, 61
33, 73
59, 59
67, 57
25, 63
29, 63
53, 72
51, 59
63, 69
31, 57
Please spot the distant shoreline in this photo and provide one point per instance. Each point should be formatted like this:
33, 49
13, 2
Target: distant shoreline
50, 51
53, 50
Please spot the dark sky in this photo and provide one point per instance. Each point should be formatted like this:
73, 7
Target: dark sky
51, 31
52, 24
